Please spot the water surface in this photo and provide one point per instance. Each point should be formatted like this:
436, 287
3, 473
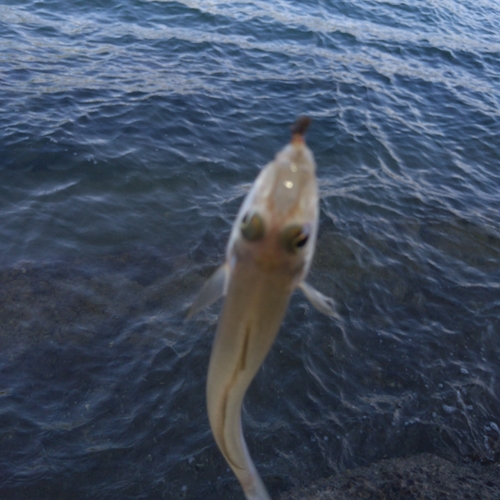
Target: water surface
131, 131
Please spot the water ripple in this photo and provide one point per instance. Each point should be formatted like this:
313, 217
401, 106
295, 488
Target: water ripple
132, 131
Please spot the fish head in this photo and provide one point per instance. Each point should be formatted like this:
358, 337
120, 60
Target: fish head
276, 226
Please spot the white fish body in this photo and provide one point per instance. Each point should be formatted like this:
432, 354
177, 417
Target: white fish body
268, 256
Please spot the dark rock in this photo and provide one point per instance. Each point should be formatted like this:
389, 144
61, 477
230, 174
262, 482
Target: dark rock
420, 477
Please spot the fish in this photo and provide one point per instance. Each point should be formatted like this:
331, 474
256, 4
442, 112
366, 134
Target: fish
268, 256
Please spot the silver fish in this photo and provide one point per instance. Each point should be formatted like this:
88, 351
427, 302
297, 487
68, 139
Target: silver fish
268, 256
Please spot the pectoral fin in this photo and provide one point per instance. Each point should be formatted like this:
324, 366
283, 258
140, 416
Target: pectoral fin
321, 302
213, 289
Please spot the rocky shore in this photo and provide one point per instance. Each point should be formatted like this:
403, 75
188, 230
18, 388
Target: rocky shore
420, 477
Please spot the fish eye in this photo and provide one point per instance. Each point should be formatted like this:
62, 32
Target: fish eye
295, 237
252, 227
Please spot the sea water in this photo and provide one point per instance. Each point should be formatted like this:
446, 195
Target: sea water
130, 132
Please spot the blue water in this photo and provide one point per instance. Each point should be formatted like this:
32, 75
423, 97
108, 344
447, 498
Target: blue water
131, 130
